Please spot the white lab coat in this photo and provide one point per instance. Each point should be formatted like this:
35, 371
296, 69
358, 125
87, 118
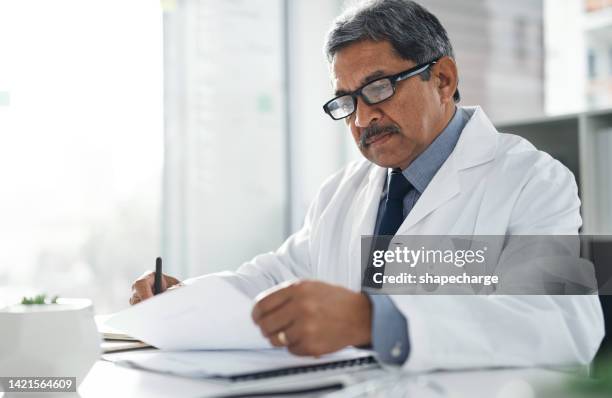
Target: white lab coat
492, 183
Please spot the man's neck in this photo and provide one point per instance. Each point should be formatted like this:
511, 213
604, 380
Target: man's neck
448, 116
444, 122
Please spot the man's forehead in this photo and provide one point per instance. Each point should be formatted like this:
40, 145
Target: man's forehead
355, 79
361, 62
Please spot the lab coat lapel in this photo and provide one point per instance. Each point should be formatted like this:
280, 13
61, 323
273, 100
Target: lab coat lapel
443, 187
476, 146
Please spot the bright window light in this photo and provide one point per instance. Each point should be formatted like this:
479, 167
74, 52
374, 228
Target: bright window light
81, 146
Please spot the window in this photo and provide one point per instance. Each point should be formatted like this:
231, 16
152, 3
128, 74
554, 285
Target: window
225, 189
80, 146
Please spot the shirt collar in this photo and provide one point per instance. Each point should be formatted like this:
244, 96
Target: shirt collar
422, 170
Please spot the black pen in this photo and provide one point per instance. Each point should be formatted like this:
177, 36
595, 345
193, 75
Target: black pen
157, 286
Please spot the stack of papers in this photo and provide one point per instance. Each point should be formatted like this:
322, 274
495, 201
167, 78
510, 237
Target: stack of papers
205, 330
209, 313
109, 346
240, 364
108, 332
114, 340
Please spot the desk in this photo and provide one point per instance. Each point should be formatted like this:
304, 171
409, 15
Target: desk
108, 380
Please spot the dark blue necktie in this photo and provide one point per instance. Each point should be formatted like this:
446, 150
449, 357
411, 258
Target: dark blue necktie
393, 214
392, 218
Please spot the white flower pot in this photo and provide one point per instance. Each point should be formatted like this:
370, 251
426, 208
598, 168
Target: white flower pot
54, 340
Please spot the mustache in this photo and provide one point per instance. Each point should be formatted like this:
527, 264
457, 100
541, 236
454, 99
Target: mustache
375, 130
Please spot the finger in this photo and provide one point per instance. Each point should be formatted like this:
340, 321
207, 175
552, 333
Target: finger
306, 350
271, 301
294, 335
278, 320
302, 341
168, 281
298, 349
135, 299
175, 286
303, 346
276, 341
144, 286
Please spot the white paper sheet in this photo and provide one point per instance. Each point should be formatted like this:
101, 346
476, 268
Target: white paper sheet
225, 363
209, 313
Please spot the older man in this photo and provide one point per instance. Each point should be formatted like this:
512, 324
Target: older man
430, 167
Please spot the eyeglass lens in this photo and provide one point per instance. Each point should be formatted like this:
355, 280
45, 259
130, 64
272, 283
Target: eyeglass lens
373, 93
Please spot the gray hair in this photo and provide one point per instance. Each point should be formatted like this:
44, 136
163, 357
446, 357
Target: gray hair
415, 33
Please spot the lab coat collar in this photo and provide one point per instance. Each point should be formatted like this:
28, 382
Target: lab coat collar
478, 142
477, 145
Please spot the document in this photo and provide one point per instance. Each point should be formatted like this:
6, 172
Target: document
108, 333
242, 364
209, 313
121, 346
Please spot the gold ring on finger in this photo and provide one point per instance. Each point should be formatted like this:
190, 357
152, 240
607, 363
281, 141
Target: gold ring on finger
282, 337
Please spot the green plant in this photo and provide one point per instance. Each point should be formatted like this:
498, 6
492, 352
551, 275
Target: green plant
39, 299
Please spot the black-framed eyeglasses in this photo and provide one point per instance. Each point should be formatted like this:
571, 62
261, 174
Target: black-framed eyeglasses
372, 93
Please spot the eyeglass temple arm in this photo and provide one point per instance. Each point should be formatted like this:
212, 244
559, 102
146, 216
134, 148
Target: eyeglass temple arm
416, 72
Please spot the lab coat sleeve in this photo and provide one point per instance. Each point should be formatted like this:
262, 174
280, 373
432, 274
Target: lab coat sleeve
450, 332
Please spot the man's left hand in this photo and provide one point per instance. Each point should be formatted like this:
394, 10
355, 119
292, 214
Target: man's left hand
314, 318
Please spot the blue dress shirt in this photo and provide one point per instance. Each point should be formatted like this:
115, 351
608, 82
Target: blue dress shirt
389, 328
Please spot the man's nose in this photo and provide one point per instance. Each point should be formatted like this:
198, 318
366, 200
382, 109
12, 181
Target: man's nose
366, 114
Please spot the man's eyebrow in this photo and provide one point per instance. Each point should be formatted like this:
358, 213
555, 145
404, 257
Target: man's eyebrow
372, 76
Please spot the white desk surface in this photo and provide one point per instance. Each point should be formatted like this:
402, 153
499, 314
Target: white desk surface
108, 380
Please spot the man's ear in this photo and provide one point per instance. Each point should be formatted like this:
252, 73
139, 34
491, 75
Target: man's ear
447, 78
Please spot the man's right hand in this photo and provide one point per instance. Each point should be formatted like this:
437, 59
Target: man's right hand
142, 288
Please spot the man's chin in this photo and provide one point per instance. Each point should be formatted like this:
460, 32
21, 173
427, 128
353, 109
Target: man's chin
386, 159
389, 156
